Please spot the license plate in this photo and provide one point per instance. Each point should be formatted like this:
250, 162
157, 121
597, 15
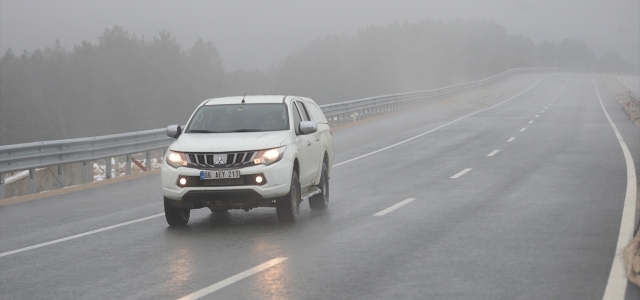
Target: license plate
205, 175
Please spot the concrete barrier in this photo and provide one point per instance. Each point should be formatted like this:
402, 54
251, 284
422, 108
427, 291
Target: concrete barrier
46, 179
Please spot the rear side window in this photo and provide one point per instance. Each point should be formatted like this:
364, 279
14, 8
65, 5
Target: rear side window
315, 113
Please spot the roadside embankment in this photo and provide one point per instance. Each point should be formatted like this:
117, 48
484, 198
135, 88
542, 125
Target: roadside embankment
632, 260
621, 95
631, 254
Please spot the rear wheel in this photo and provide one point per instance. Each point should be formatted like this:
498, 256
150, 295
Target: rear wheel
321, 201
176, 216
288, 207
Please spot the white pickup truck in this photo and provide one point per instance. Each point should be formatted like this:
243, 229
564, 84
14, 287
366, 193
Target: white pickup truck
246, 152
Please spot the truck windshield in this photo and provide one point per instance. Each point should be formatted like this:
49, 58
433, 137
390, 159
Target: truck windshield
239, 118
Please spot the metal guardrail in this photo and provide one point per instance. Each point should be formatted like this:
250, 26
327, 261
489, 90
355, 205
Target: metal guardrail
30, 156
355, 110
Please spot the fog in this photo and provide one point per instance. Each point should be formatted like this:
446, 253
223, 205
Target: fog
73, 69
258, 34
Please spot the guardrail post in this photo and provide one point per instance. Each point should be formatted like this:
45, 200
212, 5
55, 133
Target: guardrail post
147, 161
108, 167
32, 181
85, 171
128, 164
116, 161
2, 193
59, 177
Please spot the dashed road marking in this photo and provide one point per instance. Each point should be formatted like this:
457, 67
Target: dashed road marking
537, 116
523, 129
493, 152
432, 130
530, 121
511, 139
233, 279
393, 207
461, 173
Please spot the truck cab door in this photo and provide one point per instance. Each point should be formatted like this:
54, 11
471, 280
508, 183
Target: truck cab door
304, 143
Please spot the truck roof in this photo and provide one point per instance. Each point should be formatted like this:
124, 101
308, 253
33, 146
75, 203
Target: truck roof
247, 99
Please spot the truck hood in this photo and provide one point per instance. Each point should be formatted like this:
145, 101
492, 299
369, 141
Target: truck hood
229, 142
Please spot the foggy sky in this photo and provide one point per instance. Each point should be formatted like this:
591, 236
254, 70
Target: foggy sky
252, 35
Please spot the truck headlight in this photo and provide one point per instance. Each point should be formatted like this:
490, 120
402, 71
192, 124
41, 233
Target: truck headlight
269, 156
176, 159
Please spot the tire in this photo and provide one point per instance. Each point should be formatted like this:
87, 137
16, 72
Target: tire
288, 207
321, 201
176, 216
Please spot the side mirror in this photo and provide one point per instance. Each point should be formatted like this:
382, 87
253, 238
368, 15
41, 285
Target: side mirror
174, 131
308, 127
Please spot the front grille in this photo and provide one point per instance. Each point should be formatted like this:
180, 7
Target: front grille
221, 160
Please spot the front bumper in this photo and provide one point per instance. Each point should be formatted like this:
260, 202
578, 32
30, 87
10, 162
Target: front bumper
277, 177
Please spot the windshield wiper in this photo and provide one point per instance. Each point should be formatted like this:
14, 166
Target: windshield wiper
201, 131
247, 130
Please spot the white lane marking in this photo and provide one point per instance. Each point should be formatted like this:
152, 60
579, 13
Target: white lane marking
546, 107
626, 84
393, 207
537, 116
432, 130
523, 129
493, 152
233, 279
617, 283
530, 121
461, 173
542, 111
78, 235
511, 139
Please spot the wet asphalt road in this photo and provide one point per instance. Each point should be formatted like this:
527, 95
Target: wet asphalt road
538, 219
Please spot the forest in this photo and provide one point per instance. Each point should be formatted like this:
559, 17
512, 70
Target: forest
124, 83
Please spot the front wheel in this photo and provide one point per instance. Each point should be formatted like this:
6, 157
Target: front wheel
321, 201
288, 207
176, 216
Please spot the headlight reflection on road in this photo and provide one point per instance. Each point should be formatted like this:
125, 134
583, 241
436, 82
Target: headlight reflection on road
181, 268
272, 283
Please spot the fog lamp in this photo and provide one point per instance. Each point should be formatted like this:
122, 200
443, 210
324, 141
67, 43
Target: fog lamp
258, 179
183, 181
